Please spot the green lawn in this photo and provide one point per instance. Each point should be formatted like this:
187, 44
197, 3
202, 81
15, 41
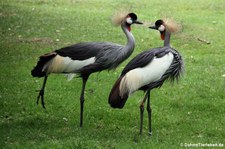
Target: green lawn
189, 112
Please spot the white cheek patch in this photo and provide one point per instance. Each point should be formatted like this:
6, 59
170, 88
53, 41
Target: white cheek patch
161, 28
129, 20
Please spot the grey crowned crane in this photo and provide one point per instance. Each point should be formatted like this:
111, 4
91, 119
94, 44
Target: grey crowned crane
147, 71
86, 58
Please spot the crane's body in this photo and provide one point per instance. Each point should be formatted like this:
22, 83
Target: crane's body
83, 58
86, 58
146, 71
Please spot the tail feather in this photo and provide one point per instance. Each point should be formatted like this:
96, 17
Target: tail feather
115, 99
38, 69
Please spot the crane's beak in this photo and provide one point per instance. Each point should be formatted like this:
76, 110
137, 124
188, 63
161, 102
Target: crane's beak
137, 22
153, 27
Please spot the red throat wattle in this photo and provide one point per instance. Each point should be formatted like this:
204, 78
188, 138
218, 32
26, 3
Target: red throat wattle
129, 29
162, 36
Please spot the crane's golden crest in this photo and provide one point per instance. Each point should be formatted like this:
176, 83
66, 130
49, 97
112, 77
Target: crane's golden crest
171, 25
119, 17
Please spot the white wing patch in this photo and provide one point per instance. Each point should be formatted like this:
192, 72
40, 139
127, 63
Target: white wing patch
139, 77
61, 64
73, 65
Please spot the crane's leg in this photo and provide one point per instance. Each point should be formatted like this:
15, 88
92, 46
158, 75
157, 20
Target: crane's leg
142, 112
41, 93
82, 100
149, 115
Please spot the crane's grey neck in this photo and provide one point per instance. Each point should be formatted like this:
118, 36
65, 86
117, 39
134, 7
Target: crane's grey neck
129, 48
167, 39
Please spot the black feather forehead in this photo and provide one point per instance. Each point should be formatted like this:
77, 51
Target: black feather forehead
159, 22
133, 16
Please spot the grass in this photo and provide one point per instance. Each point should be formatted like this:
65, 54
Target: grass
189, 112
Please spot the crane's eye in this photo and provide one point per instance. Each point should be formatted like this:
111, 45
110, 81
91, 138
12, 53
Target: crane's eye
129, 20
161, 28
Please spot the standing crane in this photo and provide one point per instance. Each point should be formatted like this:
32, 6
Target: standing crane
148, 70
86, 58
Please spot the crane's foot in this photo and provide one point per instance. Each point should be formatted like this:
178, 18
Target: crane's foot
149, 133
41, 95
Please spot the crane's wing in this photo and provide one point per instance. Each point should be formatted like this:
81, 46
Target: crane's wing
105, 54
110, 56
173, 73
85, 50
145, 58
